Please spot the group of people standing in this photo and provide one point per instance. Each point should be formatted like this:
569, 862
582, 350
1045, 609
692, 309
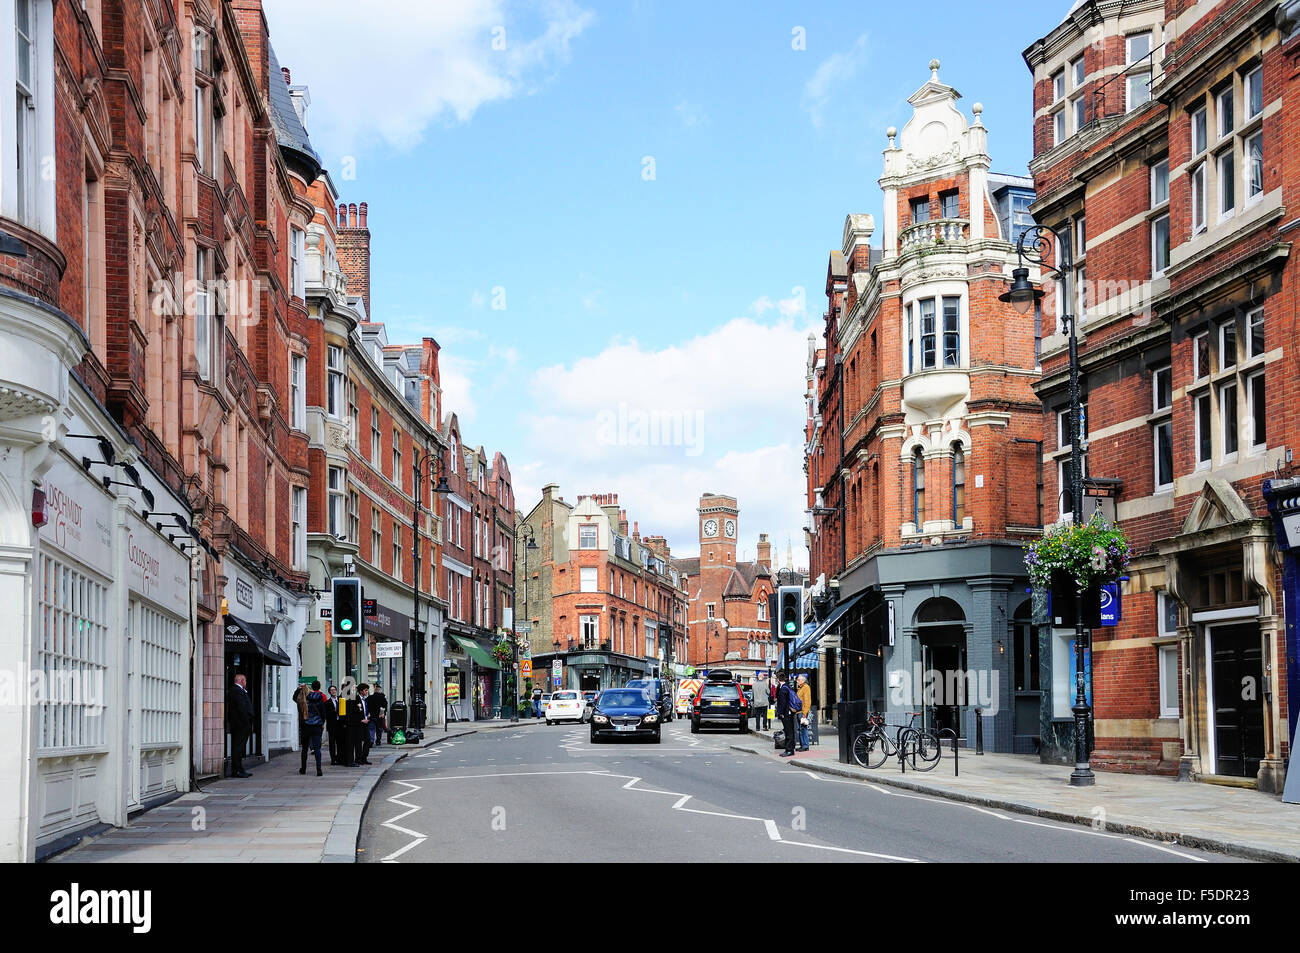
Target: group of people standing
794, 708
352, 718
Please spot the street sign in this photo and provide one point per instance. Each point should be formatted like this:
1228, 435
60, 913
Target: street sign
526, 668
1111, 605
522, 627
388, 650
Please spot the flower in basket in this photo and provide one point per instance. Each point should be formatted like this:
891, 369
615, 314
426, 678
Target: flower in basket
501, 652
1090, 553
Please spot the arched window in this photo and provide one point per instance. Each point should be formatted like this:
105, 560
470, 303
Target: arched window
958, 484
918, 488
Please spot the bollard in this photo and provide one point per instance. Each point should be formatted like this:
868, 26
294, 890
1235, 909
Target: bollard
979, 730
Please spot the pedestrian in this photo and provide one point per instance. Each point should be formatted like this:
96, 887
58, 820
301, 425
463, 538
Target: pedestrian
332, 725
349, 722
537, 703
787, 709
239, 712
805, 705
761, 700
300, 701
363, 725
314, 705
377, 705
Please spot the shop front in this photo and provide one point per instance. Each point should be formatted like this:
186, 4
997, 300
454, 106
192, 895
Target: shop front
251, 651
388, 637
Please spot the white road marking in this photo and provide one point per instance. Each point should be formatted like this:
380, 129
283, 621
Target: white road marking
418, 838
848, 850
772, 830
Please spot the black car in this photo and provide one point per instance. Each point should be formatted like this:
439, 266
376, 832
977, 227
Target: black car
625, 713
660, 690
720, 703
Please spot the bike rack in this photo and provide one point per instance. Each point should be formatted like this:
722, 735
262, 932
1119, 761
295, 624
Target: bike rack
956, 767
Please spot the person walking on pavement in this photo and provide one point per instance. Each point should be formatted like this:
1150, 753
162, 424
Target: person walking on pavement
805, 707
363, 725
239, 711
377, 705
761, 700
300, 700
314, 704
332, 725
787, 709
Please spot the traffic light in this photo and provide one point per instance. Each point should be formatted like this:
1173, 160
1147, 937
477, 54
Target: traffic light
789, 601
346, 617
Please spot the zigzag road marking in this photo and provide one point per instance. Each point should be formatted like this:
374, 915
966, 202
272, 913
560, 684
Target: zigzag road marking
418, 838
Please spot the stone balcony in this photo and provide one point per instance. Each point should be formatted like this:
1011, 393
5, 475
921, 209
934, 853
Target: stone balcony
936, 233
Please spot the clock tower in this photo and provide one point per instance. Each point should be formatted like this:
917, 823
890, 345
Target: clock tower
719, 527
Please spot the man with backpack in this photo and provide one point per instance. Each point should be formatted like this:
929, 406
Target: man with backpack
788, 707
313, 706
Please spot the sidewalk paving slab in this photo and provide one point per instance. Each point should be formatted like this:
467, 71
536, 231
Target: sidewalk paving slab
1244, 823
276, 815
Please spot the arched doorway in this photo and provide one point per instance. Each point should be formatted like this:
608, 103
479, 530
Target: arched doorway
941, 630
1025, 684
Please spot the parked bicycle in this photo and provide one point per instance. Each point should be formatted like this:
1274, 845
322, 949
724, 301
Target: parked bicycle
918, 746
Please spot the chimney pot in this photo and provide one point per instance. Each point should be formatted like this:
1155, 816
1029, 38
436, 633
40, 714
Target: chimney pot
352, 215
285, 71
343, 216
362, 213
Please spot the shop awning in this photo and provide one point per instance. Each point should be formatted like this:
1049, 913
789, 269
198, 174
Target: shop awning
810, 641
255, 637
475, 651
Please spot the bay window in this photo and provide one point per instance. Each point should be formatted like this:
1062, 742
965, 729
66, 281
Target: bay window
334, 388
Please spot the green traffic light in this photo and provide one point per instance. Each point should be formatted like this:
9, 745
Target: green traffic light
346, 625
789, 626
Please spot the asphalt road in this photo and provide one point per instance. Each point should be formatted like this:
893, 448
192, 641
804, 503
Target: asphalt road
547, 793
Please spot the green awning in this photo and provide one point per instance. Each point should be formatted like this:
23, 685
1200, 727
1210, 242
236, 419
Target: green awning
475, 651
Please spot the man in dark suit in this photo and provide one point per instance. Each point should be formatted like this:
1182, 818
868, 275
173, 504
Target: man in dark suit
239, 712
363, 724
377, 705
349, 722
336, 731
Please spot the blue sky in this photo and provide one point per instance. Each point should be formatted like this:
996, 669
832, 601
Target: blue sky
615, 219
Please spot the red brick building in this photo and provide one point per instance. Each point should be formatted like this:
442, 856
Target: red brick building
727, 599
1164, 141
921, 454
606, 603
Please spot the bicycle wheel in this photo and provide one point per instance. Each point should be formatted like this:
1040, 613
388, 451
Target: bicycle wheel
923, 749
869, 749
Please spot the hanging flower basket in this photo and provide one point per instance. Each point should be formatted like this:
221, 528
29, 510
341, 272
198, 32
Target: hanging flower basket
501, 652
1088, 554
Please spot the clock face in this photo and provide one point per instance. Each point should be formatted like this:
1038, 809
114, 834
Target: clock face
731, 529
710, 527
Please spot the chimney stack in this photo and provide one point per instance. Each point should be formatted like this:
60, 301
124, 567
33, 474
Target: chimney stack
354, 251
764, 552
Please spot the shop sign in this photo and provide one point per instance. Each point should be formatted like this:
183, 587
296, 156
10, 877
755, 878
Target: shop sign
243, 592
79, 518
155, 569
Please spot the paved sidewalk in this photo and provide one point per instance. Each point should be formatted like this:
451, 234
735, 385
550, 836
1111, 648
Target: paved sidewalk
1236, 821
276, 816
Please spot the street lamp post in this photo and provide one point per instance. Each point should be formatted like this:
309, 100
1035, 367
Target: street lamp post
1035, 245
431, 459
529, 545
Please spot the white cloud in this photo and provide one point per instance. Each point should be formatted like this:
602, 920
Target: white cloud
828, 82
691, 114
455, 374
796, 304
711, 398
388, 76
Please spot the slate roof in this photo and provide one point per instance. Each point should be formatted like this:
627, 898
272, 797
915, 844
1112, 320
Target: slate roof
289, 131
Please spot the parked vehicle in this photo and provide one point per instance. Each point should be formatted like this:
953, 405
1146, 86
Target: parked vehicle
660, 691
687, 689
625, 713
720, 703
566, 705
588, 702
